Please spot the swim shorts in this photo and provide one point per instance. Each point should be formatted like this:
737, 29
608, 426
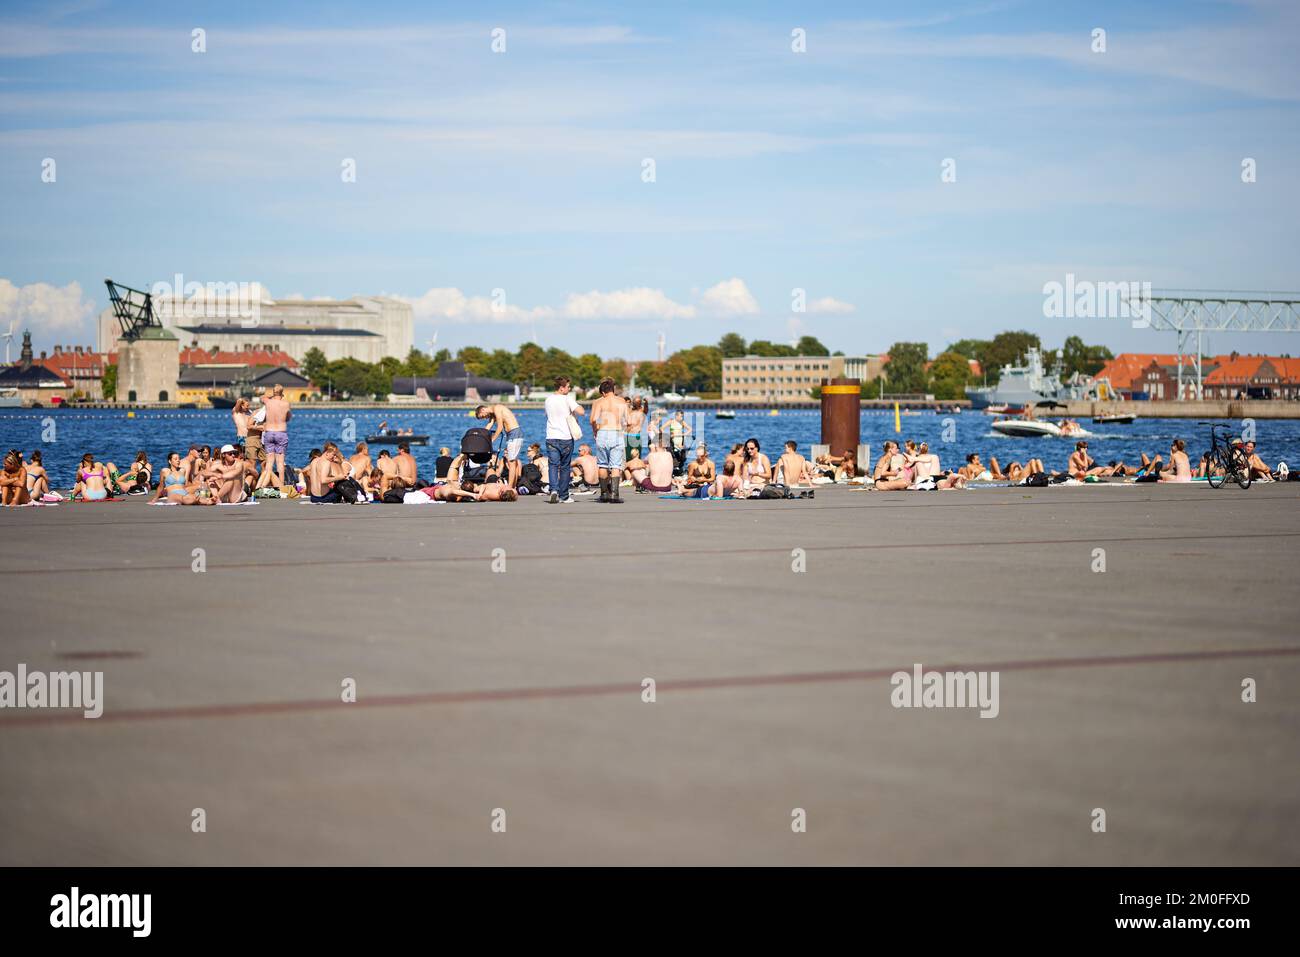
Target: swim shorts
275, 443
609, 449
514, 444
650, 487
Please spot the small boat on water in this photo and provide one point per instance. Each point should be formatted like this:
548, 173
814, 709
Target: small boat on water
725, 414
1036, 428
1115, 418
390, 437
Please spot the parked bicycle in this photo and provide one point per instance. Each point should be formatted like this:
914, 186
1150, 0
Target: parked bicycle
1226, 461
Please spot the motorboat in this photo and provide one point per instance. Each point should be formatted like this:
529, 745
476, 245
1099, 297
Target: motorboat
389, 437
1038, 428
725, 414
1115, 418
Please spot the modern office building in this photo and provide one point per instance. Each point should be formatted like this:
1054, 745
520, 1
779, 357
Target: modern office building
790, 378
367, 328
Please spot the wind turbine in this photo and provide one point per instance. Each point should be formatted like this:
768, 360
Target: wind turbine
661, 346
8, 337
433, 343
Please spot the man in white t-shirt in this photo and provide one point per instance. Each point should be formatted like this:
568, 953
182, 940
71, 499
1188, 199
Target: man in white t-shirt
560, 409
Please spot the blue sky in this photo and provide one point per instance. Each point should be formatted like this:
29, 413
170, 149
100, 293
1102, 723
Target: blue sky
522, 171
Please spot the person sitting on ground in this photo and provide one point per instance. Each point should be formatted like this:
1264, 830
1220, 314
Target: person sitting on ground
736, 453
755, 467
585, 471
1081, 464
360, 460
537, 456
38, 480
1258, 470
324, 472
407, 470
975, 471
228, 476
1020, 474
136, 478
1180, 469
175, 485
443, 462
890, 463
387, 471
659, 470
92, 480
635, 469
700, 471
791, 467
13, 480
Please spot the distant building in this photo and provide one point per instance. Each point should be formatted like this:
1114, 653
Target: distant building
199, 383
367, 328
82, 367
1154, 376
790, 378
33, 380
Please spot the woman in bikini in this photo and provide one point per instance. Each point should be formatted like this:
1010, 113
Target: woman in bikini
635, 419
92, 479
177, 490
13, 480
755, 468
38, 480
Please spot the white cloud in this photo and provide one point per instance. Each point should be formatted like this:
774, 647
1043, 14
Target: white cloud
637, 303
830, 306
448, 304
46, 310
731, 297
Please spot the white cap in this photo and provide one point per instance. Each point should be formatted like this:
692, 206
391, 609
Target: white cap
227, 448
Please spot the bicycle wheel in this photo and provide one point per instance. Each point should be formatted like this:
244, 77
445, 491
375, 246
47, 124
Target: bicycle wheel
1216, 469
1241, 472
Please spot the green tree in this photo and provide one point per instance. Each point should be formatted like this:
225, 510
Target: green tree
379, 380
418, 364
474, 359
109, 382
587, 370
500, 365
1084, 359
906, 369
704, 364
762, 347
559, 362
645, 374
530, 366
615, 369
948, 376
970, 348
1006, 348
733, 346
810, 346
349, 376
313, 367
669, 375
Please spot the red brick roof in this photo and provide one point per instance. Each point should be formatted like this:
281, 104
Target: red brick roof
253, 357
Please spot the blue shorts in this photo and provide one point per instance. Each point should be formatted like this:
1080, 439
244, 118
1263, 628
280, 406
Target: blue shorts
514, 444
609, 449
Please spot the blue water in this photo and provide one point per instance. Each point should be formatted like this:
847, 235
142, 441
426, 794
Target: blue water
64, 435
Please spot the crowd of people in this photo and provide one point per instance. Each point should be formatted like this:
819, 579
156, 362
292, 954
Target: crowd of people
254, 465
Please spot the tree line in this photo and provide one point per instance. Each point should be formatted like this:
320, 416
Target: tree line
697, 369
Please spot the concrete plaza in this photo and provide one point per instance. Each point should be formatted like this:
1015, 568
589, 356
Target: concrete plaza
522, 689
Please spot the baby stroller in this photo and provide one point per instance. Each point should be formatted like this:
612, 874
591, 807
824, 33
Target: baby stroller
476, 446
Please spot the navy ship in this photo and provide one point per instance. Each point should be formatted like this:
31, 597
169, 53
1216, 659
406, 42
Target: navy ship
1028, 384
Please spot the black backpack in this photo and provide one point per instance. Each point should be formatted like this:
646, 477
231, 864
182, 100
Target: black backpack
530, 477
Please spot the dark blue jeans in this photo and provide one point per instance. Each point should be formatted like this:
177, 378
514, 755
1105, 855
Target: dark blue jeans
559, 458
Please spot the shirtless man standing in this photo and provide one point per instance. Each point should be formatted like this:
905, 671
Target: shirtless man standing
275, 437
406, 467
506, 423
609, 422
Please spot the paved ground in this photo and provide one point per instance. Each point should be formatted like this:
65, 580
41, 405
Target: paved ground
522, 690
